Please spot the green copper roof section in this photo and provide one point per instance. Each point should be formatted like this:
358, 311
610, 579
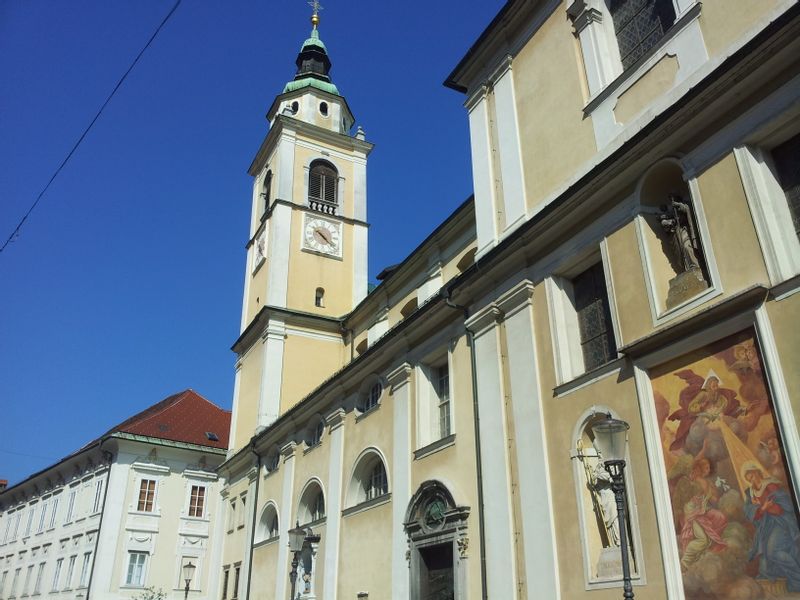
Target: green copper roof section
313, 41
297, 84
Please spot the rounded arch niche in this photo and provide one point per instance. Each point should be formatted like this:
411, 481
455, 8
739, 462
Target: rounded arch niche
438, 543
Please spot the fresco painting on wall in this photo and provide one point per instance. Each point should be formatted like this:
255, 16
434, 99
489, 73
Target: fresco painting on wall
732, 502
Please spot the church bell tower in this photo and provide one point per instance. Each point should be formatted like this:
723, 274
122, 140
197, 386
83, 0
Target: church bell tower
307, 248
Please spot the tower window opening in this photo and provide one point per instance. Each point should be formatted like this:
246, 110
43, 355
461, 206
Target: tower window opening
319, 297
266, 191
295, 107
322, 181
323, 109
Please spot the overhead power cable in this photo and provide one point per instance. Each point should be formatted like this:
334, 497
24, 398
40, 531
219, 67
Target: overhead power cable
15, 233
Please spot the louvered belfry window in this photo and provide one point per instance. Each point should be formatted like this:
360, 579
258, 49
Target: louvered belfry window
639, 25
322, 181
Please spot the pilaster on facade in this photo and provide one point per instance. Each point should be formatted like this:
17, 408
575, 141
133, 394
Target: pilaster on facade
274, 339
333, 520
289, 453
399, 379
538, 539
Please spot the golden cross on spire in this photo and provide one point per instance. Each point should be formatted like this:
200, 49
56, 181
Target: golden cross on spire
315, 16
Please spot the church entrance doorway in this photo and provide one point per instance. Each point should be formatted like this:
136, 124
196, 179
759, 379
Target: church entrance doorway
438, 544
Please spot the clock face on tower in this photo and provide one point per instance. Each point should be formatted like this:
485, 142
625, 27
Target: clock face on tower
323, 236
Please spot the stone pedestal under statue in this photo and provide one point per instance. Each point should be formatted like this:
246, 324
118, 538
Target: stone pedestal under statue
685, 286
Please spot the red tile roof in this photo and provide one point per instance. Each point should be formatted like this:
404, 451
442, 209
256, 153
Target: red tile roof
183, 417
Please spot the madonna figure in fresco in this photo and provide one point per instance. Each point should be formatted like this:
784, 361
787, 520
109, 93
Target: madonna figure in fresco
769, 507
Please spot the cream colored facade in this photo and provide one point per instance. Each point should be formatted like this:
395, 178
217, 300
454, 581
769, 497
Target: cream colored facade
490, 478
83, 529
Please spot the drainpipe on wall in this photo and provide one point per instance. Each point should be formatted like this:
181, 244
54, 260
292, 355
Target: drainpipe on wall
253, 523
109, 457
445, 293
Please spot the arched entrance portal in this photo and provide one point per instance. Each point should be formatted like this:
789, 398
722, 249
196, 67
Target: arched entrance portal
438, 544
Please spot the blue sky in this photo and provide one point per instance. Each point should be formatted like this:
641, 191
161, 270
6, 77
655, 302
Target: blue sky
125, 284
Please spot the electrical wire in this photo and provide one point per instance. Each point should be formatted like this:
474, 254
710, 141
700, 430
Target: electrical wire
15, 233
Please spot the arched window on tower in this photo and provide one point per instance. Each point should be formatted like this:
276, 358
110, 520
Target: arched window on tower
319, 297
266, 191
322, 181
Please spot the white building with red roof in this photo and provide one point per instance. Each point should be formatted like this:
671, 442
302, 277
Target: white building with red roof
126, 512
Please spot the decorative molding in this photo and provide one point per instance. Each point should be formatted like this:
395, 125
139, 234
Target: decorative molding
434, 447
484, 320
335, 419
517, 298
399, 376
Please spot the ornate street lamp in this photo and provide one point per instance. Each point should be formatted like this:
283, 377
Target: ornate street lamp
188, 573
610, 437
297, 537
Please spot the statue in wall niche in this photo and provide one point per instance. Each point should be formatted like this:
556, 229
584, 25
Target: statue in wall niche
677, 220
607, 502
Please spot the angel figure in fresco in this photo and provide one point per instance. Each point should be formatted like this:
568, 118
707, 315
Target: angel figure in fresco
703, 403
702, 524
768, 506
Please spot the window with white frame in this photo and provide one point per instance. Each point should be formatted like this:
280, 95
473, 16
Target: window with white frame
615, 34
137, 562
57, 574
28, 577
29, 522
70, 571
17, 519
15, 583
272, 460
369, 480
53, 512
268, 524
442, 385
147, 495
226, 575
98, 496
241, 513
85, 569
371, 398
266, 191
772, 185
42, 513
312, 504
73, 494
197, 499
9, 519
3, 578
581, 324
322, 181
639, 25
375, 484
231, 514
434, 417
235, 591
314, 432
37, 586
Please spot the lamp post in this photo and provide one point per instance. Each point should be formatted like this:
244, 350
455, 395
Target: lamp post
610, 436
297, 537
188, 573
